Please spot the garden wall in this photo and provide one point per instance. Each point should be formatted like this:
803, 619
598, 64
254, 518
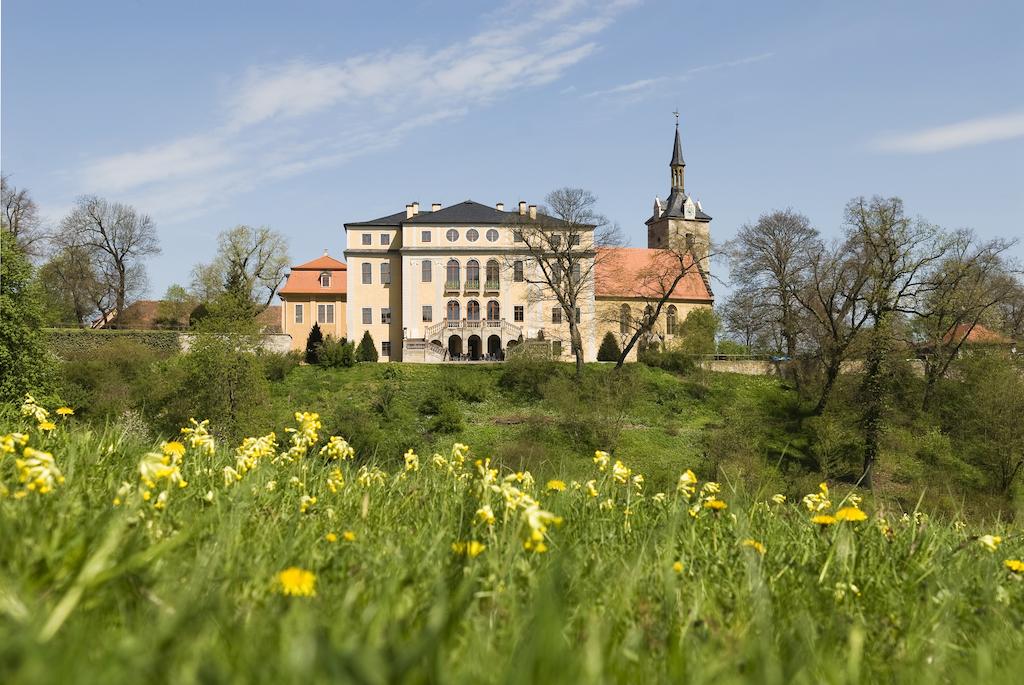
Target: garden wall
63, 341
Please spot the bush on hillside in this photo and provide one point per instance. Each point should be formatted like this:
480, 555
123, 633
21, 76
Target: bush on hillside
449, 418
313, 342
609, 350
697, 332
593, 410
25, 365
367, 350
107, 381
336, 354
524, 375
672, 360
277, 365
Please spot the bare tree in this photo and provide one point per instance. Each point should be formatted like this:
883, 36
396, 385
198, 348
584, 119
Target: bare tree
118, 238
749, 320
832, 298
20, 216
69, 280
965, 289
251, 262
652, 286
897, 253
564, 243
769, 259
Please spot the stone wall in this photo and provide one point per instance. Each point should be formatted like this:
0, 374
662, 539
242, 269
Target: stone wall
64, 341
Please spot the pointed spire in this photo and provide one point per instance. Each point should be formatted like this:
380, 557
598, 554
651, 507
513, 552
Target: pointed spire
677, 163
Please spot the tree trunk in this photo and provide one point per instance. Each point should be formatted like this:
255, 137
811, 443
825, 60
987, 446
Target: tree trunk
831, 374
874, 393
577, 344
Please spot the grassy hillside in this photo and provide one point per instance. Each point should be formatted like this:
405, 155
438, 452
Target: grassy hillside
297, 560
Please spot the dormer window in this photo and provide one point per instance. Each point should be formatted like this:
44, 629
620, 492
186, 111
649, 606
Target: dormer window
325, 279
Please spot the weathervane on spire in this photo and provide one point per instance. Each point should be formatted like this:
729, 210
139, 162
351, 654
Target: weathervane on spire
676, 112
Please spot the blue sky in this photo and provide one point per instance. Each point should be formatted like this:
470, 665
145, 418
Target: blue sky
305, 115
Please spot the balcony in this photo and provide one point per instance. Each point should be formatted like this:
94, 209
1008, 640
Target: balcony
492, 286
451, 287
473, 285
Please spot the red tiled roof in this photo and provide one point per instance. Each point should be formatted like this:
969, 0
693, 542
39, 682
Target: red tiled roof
304, 279
323, 263
643, 272
978, 335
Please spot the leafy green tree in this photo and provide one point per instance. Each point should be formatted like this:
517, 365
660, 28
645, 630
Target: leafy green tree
367, 350
25, 365
313, 342
175, 307
609, 350
697, 332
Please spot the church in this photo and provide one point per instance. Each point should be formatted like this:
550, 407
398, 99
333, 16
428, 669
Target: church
466, 283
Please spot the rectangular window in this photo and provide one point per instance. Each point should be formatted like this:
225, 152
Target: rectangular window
325, 313
428, 271
367, 273
298, 313
574, 239
385, 238
325, 280
517, 312
517, 235
575, 272
556, 348
385, 273
428, 313
517, 272
555, 239
425, 236
367, 316
385, 314
385, 348
556, 315
367, 239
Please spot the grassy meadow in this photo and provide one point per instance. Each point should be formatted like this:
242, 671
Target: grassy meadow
293, 556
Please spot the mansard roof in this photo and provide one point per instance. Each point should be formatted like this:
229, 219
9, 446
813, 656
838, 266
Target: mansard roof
467, 212
673, 208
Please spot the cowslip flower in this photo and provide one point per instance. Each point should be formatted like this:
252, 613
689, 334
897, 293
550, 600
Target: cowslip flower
38, 472
851, 514
199, 437
412, 461
818, 501
306, 502
990, 542
486, 514
591, 488
12, 440
335, 481
687, 484
779, 499
31, 408
1014, 565
620, 473
297, 582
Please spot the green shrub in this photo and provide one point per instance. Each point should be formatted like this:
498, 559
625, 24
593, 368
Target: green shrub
367, 350
525, 374
593, 410
277, 365
25, 365
448, 419
672, 360
609, 350
313, 342
336, 354
697, 332
835, 446
66, 343
105, 381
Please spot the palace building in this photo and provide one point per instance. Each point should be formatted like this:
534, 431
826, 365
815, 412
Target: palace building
463, 283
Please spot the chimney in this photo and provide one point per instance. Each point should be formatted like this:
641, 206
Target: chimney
436, 207
415, 208
533, 212
500, 206
522, 208
408, 212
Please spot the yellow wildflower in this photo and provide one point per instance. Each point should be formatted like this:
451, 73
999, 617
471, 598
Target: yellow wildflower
348, 536
31, 408
620, 473
1014, 565
199, 437
173, 449
687, 484
412, 461
601, 459
331, 537
659, 497
990, 542
338, 448
779, 499
471, 549
306, 502
486, 514
824, 520
677, 567
47, 426
297, 582
715, 504
850, 514
754, 545
65, 411
37, 471
335, 481
818, 501
591, 489
11, 440
556, 486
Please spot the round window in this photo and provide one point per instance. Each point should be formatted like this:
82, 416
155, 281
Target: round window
472, 235
492, 235
452, 235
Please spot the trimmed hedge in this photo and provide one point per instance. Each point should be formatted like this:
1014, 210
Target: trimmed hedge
66, 341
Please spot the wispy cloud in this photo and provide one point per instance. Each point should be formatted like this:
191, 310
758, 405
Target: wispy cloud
633, 89
951, 136
286, 119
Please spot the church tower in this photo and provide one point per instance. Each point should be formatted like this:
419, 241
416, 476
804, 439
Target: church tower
679, 220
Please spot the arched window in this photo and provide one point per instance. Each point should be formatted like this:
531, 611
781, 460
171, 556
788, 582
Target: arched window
453, 274
385, 273
428, 271
367, 273
453, 310
649, 316
671, 317
517, 272
625, 320
473, 310
492, 273
472, 274
493, 311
